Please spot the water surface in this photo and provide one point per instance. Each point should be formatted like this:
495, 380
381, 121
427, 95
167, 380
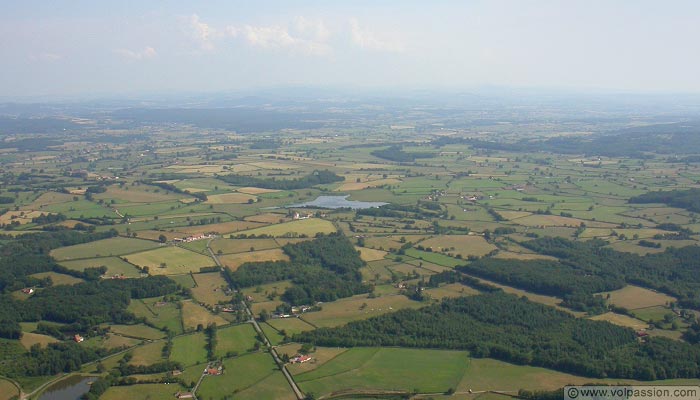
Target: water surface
70, 388
337, 202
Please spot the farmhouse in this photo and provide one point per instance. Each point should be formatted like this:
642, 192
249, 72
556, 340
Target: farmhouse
78, 338
300, 359
214, 371
184, 395
27, 290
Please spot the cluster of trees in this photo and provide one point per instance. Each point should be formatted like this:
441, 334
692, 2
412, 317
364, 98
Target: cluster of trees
201, 196
313, 179
688, 199
325, 269
674, 271
396, 153
636, 142
548, 277
55, 358
513, 329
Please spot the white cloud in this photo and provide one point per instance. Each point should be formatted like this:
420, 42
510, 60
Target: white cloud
366, 39
50, 57
304, 36
147, 52
277, 37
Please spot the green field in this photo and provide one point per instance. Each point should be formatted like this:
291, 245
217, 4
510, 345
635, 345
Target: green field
115, 266
387, 369
308, 227
151, 391
170, 261
137, 331
435, 258
189, 349
164, 316
239, 339
102, 248
239, 374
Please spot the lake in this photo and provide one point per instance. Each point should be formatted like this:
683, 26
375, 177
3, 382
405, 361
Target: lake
70, 388
337, 202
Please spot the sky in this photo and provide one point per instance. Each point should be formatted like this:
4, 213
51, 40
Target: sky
93, 48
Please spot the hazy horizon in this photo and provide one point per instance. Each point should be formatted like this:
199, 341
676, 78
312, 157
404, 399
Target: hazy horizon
84, 49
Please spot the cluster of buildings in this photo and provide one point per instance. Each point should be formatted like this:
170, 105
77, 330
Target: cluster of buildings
300, 359
194, 238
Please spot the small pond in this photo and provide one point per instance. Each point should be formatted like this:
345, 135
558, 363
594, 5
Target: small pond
70, 388
337, 202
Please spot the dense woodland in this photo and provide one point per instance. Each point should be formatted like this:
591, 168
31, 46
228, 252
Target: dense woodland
688, 199
547, 277
397, 154
325, 269
675, 271
516, 330
315, 178
82, 305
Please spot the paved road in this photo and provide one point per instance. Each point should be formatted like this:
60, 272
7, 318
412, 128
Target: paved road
273, 352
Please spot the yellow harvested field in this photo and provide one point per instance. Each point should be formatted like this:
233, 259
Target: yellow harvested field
30, 339
275, 165
268, 218
371, 254
233, 261
8, 390
522, 256
621, 320
358, 307
228, 246
202, 169
308, 227
209, 289
256, 190
510, 215
320, 357
50, 198
556, 220
221, 228
466, 245
451, 290
349, 186
230, 198
58, 279
137, 194
243, 168
23, 217
194, 314
176, 259
634, 297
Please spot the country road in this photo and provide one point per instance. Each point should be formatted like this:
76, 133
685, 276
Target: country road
297, 392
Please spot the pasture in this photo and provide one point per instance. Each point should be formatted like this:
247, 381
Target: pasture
387, 369
239, 374
189, 349
30, 339
233, 261
116, 246
227, 246
210, 288
238, 338
162, 315
57, 279
148, 391
170, 261
308, 227
115, 266
138, 331
464, 245
633, 297
194, 315
357, 307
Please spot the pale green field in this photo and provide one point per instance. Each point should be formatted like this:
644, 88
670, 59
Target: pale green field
176, 260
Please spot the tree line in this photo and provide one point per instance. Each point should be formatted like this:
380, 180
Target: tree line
513, 329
